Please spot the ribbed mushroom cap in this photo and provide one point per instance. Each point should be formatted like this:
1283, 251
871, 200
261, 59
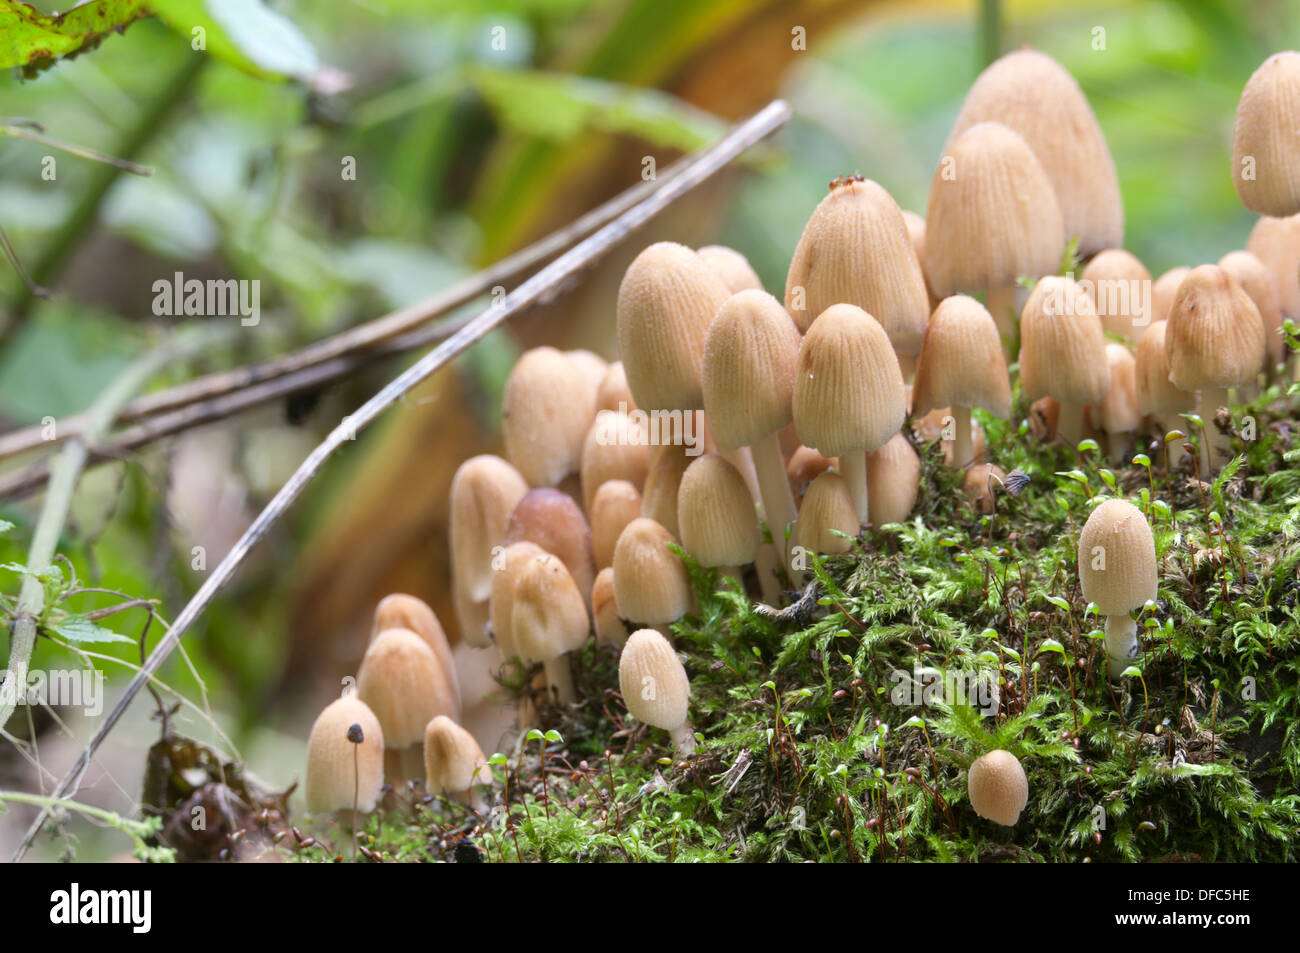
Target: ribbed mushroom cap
1062, 348
453, 760
1276, 242
1215, 336
589, 366
1032, 94
549, 614
616, 448
650, 582
613, 391
749, 366
402, 682
338, 770
856, 250
1156, 393
992, 216
893, 478
730, 266
1121, 289
483, 492
653, 681
804, 466
980, 485
848, 389
997, 787
665, 303
553, 521
1266, 138
1119, 412
615, 504
662, 481
962, 361
502, 605
402, 611
546, 410
1117, 558
1257, 281
716, 513
1164, 289
827, 505
604, 610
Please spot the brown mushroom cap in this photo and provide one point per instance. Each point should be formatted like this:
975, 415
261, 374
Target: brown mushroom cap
337, 769
997, 787
665, 303
549, 614
716, 514
1121, 290
1156, 393
453, 760
615, 504
1117, 558
1062, 348
1257, 281
804, 466
554, 522
402, 611
1163, 291
749, 367
616, 448
827, 505
402, 682
856, 250
653, 682
650, 582
962, 361
1032, 94
1266, 140
1119, 412
1276, 242
848, 391
992, 216
546, 411
1215, 336
730, 266
610, 629
893, 479
483, 492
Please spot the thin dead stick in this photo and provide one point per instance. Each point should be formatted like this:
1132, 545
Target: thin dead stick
698, 169
368, 339
35, 133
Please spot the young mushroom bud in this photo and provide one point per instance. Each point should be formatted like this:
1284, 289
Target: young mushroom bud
1120, 287
342, 774
454, 764
731, 267
1163, 290
1117, 571
548, 620
893, 479
655, 687
650, 582
827, 506
402, 682
483, 492
553, 521
1118, 414
997, 787
614, 394
1276, 242
1265, 158
716, 515
615, 504
511, 562
616, 448
610, 629
546, 411
1156, 394
1257, 281
401, 611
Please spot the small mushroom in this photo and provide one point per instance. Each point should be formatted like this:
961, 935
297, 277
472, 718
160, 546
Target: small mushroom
402, 682
1156, 394
1118, 284
548, 620
716, 516
997, 787
502, 604
655, 688
342, 774
1118, 414
454, 764
552, 520
615, 504
1117, 571
1163, 290
402, 611
613, 394
731, 266
1265, 165
804, 466
483, 492
893, 480
1257, 281
650, 582
663, 480
610, 629
546, 411
828, 505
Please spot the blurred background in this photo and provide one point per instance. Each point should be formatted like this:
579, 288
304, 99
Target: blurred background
420, 141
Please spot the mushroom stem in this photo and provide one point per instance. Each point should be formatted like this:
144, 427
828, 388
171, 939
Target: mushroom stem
731, 572
559, 679
393, 772
1218, 446
743, 460
853, 467
1121, 643
768, 564
1117, 444
907, 366
963, 443
1002, 305
683, 740
413, 762
1070, 423
774, 488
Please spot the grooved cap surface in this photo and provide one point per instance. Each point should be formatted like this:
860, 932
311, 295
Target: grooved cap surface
650, 582
483, 492
1117, 558
1276, 242
962, 362
1156, 393
997, 787
1062, 348
1266, 138
1215, 336
653, 681
827, 505
402, 611
453, 761
716, 514
336, 768
401, 681
545, 412
893, 479
549, 614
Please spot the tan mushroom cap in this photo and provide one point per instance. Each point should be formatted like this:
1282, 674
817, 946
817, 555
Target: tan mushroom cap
893, 479
590, 367
665, 303
453, 760
827, 505
992, 216
961, 361
338, 770
997, 787
1062, 348
613, 393
749, 368
1257, 281
856, 250
616, 448
502, 604
483, 492
848, 391
553, 521
1122, 292
610, 629
615, 504
1156, 393
663, 480
653, 682
716, 514
980, 484
650, 582
804, 466
1119, 412
1276, 242
545, 412
731, 266
1032, 94
1215, 336
1266, 138
1117, 558
1163, 291
402, 611
549, 613
402, 682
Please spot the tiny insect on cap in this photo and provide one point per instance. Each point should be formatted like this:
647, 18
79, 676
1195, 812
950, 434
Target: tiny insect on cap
1215, 336
1062, 347
962, 363
997, 787
650, 582
340, 768
453, 760
1266, 140
1117, 558
402, 682
653, 681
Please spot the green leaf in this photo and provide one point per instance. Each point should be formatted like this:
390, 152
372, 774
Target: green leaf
244, 33
34, 40
80, 630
